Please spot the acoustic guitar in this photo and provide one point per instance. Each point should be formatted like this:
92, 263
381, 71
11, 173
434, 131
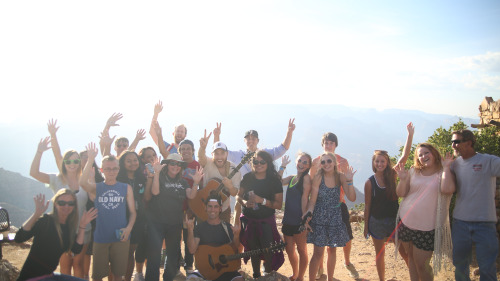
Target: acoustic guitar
214, 186
212, 261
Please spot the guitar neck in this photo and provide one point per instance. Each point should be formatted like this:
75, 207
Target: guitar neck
234, 171
248, 254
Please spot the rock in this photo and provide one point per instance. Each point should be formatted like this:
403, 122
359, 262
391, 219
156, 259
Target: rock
8, 272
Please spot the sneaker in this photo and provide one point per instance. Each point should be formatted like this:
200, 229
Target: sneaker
138, 276
352, 270
319, 273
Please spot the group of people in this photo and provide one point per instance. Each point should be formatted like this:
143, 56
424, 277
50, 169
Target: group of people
137, 206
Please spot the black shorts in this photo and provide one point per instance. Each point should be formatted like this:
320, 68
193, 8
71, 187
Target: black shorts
423, 240
345, 219
290, 230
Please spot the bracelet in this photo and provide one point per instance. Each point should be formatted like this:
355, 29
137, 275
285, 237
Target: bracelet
349, 183
282, 168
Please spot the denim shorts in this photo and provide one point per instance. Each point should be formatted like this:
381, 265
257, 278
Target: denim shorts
381, 228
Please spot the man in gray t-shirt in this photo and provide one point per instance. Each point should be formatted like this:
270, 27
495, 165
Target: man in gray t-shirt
473, 176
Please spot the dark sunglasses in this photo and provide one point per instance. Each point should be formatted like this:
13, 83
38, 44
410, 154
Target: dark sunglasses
305, 162
63, 203
457, 141
175, 163
74, 161
329, 161
257, 162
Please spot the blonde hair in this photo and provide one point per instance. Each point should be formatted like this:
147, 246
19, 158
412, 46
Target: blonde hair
437, 157
336, 173
72, 219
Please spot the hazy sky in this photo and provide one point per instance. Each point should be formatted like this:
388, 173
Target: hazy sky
83, 58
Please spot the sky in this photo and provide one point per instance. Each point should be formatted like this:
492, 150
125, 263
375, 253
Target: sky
68, 59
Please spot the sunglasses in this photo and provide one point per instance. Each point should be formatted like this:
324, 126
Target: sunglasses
257, 162
122, 145
175, 163
305, 162
329, 161
457, 141
63, 203
74, 161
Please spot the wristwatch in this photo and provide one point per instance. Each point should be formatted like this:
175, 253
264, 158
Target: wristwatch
264, 202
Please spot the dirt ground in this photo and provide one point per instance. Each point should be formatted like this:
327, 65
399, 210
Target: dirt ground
362, 256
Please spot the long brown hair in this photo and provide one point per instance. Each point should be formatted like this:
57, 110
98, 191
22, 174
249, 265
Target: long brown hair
389, 174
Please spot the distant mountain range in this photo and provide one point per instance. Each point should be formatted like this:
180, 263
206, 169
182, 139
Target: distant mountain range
16, 195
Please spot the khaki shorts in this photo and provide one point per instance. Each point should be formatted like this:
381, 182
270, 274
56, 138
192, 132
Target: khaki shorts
110, 255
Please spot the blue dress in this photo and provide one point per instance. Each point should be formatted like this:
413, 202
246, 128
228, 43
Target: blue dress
328, 229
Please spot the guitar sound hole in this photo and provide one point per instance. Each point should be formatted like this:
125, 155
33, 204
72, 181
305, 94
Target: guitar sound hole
222, 259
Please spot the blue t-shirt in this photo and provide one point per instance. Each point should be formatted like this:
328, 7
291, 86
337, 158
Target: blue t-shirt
111, 204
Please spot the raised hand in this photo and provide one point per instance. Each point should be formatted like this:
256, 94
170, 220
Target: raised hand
113, 119
291, 125
285, 160
88, 216
410, 128
43, 145
217, 129
189, 222
349, 174
91, 152
401, 171
157, 128
157, 166
158, 107
204, 139
198, 175
40, 204
52, 126
141, 134
236, 229
105, 140
448, 159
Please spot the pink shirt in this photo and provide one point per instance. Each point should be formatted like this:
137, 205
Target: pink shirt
418, 209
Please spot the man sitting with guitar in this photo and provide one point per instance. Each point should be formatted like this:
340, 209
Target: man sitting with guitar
218, 170
211, 241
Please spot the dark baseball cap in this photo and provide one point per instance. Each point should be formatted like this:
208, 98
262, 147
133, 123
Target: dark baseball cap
252, 133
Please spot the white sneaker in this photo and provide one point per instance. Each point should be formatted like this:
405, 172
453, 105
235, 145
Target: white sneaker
138, 276
352, 270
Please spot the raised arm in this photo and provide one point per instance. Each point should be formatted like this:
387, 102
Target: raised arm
409, 139
105, 143
43, 145
56, 150
140, 135
155, 188
86, 180
404, 180
192, 242
105, 132
202, 157
289, 133
347, 183
217, 132
448, 182
157, 110
40, 207
159, 136
193, 190
86, 218
284, 162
